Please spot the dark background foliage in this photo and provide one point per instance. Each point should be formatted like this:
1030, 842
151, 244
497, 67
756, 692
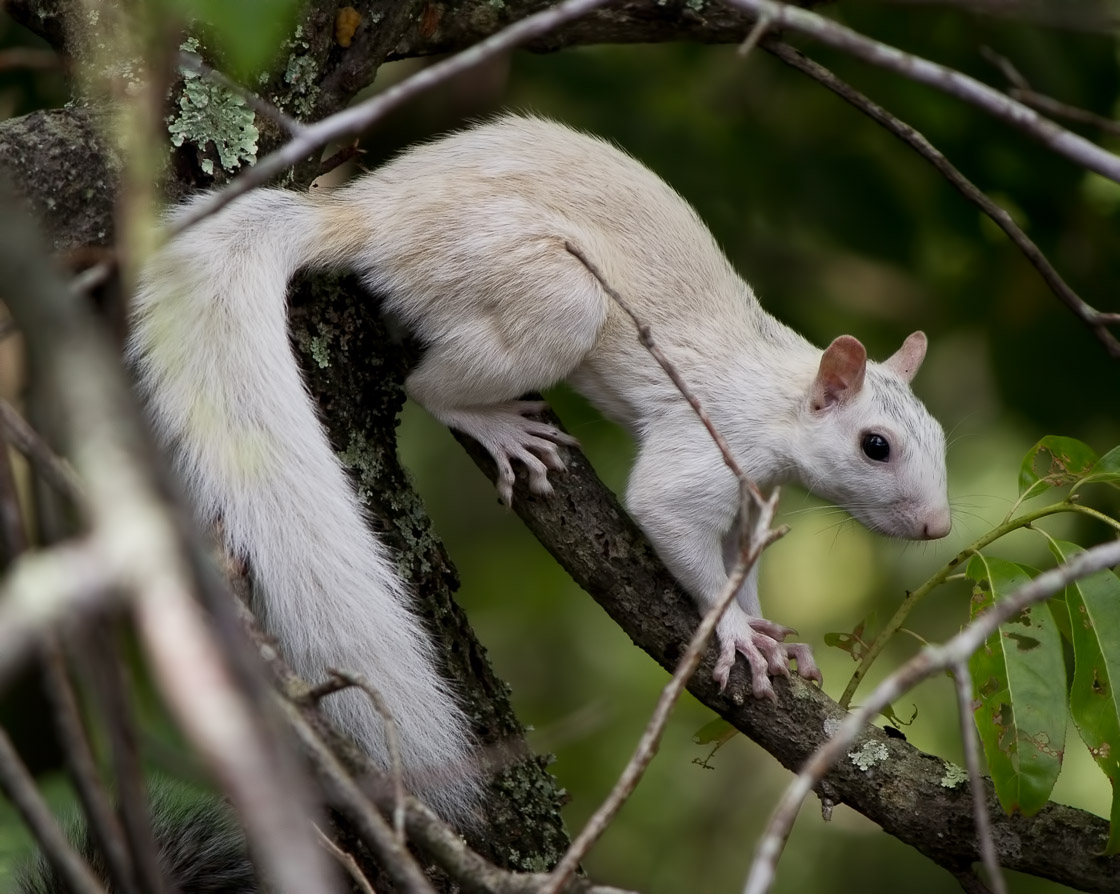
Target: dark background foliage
839, 228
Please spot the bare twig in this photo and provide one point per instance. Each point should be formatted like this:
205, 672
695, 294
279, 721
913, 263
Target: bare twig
755, 538
329, 750
89, 279
345, 796
646, 339
19, 787
963, 679
760, 27
760, 537
930, 661
1058, 109
134, 550
392, 740
1094, 319
1058, 139
99, 657
1021, 90
43, 588
58, 473
101, 822
347, 861
359, 117
13, 538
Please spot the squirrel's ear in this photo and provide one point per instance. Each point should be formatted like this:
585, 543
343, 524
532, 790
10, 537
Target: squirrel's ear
905, 361
840, 375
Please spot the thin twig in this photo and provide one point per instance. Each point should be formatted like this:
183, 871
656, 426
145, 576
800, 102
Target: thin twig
18, 786
89, 279
101, 822
963, 679
44, 587
646, 339
357, 118
761, 26
58, 473
1076, 148
1021, 90
345, 796
930, 661
134, 551
760, 537
347, 861
99, 658
756, 536
13, 536
1059, 109
392, 740
1094, 319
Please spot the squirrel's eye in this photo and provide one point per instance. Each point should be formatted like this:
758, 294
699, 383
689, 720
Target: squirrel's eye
875, 447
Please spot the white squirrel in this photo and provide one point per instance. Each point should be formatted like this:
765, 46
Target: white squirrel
464, 238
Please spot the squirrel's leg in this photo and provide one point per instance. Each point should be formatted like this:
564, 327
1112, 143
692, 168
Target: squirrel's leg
470, 383
690, 528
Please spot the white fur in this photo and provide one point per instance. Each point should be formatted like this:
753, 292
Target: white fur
209, 341
464, 237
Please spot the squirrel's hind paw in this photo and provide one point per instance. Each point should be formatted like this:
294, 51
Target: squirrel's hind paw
508, 434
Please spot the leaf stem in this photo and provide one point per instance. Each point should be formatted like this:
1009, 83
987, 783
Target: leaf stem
914, 597
1094, 513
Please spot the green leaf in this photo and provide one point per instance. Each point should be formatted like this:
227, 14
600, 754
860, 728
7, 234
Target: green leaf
1019, 689
854, 642
718, 731
1054, 462
248, 33
1106, 470
889, 713
1094, 702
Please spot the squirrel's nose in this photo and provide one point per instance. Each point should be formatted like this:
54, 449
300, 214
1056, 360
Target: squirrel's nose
937, 525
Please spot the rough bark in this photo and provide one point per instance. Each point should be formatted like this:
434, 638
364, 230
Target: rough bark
355, 372
57, 161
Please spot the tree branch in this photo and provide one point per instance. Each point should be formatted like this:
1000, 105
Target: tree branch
1098, 322
1077, 149
618, 568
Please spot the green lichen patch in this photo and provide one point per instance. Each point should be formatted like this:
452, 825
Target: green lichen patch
868, 755
211, 114
302, 75
953, 776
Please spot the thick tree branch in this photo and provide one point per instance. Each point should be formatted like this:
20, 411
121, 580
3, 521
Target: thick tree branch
590, 535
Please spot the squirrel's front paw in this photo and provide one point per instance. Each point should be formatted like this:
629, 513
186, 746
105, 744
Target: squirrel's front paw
761, 642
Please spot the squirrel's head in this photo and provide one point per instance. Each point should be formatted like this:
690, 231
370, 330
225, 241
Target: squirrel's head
871, 446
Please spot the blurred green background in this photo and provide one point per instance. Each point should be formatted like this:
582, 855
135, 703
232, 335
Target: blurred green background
839, 228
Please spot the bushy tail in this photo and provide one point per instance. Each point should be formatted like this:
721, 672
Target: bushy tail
201, 849
210, 346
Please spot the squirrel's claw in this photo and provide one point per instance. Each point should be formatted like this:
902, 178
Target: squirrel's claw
508, 434
760, 642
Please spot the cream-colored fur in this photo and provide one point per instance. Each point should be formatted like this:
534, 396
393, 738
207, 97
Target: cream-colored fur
465, 238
